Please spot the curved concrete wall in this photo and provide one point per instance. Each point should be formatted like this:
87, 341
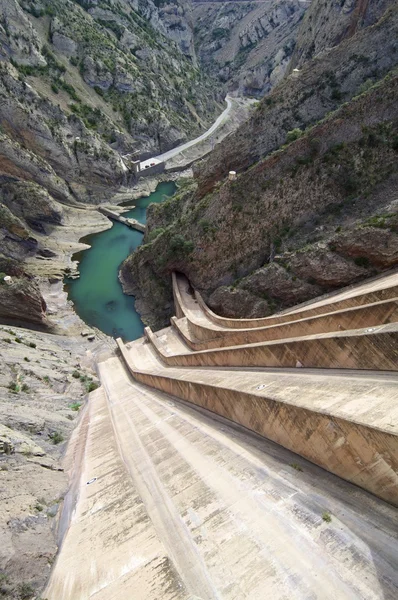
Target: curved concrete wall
370, 315
301, 313
365, 349
362, 455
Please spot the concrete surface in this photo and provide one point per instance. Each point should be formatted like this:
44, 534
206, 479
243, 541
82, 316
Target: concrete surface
177, 497
346, 423
219, 121
186, 506
381, 288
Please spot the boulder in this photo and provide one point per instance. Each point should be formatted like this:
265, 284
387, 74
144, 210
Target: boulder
20, 442
326, 268
237, 303
374, 244
277, 282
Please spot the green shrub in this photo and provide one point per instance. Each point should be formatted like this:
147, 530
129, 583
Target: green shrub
205, 225
32, 345
293, 135
296, 467
75, 406
326, 517
55, 88
70, 90
14, 387
56, 437
25, 387
25, 591
361, 261
178, 245
155, 233
91, 386
18, 340
76, 374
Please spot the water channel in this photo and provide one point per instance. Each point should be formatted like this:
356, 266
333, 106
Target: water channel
97, 294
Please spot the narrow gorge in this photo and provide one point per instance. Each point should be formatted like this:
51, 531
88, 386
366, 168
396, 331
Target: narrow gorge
198, 299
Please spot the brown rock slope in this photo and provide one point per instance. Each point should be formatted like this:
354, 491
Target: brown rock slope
326, 24
324, 83
318, 214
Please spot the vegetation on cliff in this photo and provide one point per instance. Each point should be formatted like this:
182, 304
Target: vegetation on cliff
315, 215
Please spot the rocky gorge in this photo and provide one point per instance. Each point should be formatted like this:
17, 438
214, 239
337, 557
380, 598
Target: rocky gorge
314, 205
313, 208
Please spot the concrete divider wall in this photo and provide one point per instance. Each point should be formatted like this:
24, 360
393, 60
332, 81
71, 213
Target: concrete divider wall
365, 456
155, 170
371, 315
353, 301
373, 350
177, 297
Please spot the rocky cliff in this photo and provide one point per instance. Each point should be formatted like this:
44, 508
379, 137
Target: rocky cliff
44, 380
303, 98
111, 64
81, 83
327, 25
247, 45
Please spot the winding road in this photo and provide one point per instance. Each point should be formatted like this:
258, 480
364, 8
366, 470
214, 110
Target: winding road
219, 121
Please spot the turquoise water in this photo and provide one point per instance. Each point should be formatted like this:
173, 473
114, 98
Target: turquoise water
97, 294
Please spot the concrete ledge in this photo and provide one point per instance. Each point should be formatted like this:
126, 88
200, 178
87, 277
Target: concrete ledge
177, 297
386, 288
202, 337
363, 455
372, 349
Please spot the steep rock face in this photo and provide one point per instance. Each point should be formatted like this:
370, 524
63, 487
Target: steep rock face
274, 281
238, 303
67, 48
173, 19
373, 245
40, 398
17, 36
327, 24
247, 45
297, 102
15, 237
288, 219
63, 141
22, 303
325, 268
31, 203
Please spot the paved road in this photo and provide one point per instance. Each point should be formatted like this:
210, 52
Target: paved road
187, 506
221, 119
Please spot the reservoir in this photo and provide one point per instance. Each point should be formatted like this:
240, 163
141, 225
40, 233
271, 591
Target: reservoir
97, 295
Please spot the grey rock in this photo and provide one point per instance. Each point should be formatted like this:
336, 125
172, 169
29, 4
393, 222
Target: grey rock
238, 303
